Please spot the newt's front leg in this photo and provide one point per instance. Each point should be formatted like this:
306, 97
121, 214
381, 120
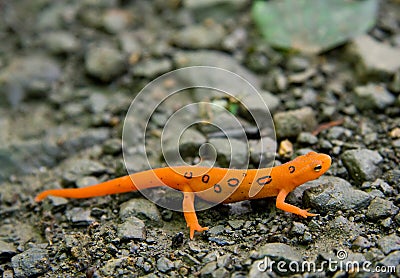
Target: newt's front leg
280, 204
190, 213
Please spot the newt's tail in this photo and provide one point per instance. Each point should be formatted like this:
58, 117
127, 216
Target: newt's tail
118, 185
146, 179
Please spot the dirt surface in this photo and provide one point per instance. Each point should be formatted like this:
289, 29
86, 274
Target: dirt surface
69, 71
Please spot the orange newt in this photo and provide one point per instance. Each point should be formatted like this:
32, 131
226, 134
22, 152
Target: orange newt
214, 184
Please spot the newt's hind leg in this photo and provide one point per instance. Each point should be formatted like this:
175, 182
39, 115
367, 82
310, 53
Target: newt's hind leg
190, 213
280, 204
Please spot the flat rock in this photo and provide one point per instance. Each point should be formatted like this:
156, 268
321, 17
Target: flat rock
362, 164
104, 63
30, 76
7, 250
231, 152
32, 262
80, 216
381, 208
216, 59
60, 42
199, 36
143, 209
393, 259
277, 252
389, 243
164, 264
335, 194
258, 104
375, 57
151, 68
132, 228
372, 96
291, 123
219, 10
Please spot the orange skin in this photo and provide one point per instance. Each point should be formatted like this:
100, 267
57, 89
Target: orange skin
214, 184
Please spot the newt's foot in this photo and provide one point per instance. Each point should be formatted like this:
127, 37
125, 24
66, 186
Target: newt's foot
196, 228
305, 213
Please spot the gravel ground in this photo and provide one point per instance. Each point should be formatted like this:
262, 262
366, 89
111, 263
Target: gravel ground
68, 73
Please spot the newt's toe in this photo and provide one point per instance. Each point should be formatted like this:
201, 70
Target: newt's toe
197, 229
305, 213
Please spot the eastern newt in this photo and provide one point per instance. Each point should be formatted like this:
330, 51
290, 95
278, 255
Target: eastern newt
214, 184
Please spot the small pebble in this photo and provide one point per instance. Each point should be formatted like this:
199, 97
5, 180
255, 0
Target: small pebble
362, 164
104, 63
30, 263
164, 264
372, 97
291, 123
380, 208
132, 228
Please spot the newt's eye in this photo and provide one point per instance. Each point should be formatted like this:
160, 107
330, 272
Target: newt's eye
318, 168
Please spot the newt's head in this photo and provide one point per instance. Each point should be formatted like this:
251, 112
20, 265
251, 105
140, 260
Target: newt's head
308, 167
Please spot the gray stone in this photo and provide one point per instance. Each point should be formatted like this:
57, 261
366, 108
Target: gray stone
389, 243
216, 230
110, 267
335, 194
291, 123
208, 269
372, 96
393, 176
216, 59
395, 85
30, 76
236, 224
164, 264
29, 155
231, 152
75, 169
116, 20
78, 140
338, 132
60, 42
221, 273
151, 68
361, 243
130, 43
80, 216
132, 228
7, 250
143, 209
86, 181
224, 260
381, 208
199, 36
262, 151
298, 63
362, 164
112, 146
218, 10
397, 218
104, 63
375, 57
32, 262
257, 270
307, 138
257, 104
298, 229
97, 102
279, 252
393, 259
187, 145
